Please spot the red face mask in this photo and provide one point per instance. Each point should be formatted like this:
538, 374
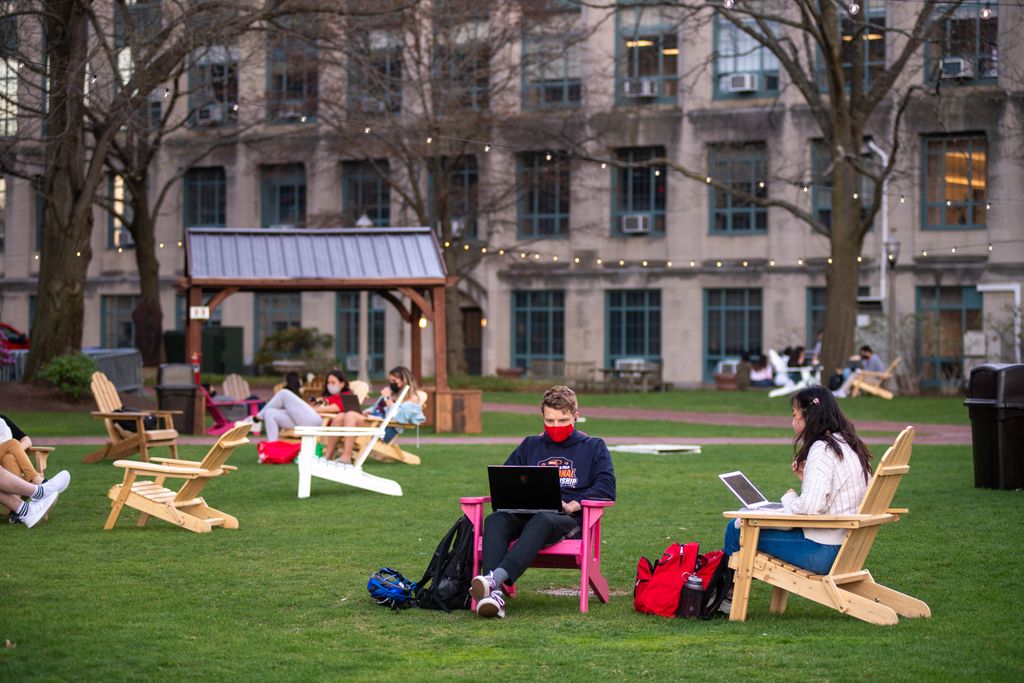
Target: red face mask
559, 434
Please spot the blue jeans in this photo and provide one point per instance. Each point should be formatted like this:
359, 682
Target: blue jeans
789, 546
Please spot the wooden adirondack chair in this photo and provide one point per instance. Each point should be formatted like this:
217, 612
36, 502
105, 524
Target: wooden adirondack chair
121, 441
183, 507
583, 554
236, 387
390, 450
848, 587
871, 382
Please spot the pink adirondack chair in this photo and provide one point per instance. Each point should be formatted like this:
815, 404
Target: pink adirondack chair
582, 553
220, 423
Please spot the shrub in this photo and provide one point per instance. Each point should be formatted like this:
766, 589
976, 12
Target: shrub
300, 343
71, 374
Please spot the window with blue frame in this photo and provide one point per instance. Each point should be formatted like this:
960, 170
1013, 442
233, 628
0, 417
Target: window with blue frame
965, 47
366, 192
3, 212
275, 312
293, 67
639, 192
137, 22
633, 323
458, 192
8, 76
821, 183
944, 314
346, 332
744, 169
375, 71
862, 49
743, 66
543, 195
206, 197
462, 56
213, 86
648, 53
732, 325
816, 304
283, 200
117, 330
954, 182
552, 78
538, 326
119, 215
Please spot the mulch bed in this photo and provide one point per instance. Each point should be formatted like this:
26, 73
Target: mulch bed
22, 397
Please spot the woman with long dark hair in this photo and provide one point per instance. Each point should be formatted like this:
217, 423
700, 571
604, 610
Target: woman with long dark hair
833, 466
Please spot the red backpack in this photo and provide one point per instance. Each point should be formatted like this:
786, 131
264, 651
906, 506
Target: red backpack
277, 452
659, 586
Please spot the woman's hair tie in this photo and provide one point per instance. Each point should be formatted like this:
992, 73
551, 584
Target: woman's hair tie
815, 400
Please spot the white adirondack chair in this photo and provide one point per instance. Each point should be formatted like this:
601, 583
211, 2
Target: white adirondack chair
809, 376
351, 475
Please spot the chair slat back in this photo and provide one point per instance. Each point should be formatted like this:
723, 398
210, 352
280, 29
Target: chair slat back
105, 393
423, 398
892, 366
236, 387
877, 500
217, 456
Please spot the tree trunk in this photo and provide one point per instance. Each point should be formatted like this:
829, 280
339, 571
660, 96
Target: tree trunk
148, 316
67, 190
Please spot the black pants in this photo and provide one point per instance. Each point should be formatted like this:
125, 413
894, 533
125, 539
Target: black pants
532, 532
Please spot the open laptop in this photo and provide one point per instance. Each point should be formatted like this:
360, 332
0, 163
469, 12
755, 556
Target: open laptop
524, 489
350, 402
748, 494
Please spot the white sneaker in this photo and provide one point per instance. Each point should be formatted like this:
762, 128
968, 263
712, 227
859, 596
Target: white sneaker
57, 483
37, 509
247, 421
481, 586
493, 606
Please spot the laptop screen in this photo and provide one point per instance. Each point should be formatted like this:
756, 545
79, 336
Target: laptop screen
744, 490
524, 488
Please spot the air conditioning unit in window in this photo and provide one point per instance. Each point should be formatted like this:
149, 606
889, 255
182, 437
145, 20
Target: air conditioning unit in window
458, 226
957, 67
635, 223
738, 83
210, 114
640, 87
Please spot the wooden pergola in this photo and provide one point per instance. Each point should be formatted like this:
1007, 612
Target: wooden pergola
392, 262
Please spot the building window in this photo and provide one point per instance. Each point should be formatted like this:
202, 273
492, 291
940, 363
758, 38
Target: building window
137, 22
742, 168
648, 54
117, 330
8, 76
732, 324
538, 326
459, 193
375, 71
213, 90
119, 216
551, 58
955, 182
275, 312
944, 314
816, 304
639, 192
966, 46
866, 30
543, 195
633, 324
206, 197
462, 56
293, 64
283, 196
743, 66
821, 183
3, 212
365, 192
346, 330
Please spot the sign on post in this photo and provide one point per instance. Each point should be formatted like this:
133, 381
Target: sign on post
199, 312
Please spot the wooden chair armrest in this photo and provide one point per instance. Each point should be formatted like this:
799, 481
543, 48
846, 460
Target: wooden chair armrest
163, 470
597, 503
898, 511
873, 373
175, 461
40, 449
118, 416
475, 500
769, 521
336, 431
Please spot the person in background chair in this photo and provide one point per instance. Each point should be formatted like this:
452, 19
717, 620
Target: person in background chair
587, 474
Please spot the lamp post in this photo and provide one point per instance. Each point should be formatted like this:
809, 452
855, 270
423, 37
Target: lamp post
892, 255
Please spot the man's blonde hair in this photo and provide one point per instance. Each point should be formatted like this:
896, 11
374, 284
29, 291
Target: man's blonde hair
560, 397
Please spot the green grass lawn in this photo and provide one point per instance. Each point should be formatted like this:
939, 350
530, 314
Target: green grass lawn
284, 597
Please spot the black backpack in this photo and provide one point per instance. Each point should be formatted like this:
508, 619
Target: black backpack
445, 584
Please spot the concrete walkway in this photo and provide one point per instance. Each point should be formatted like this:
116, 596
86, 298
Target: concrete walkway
932, 434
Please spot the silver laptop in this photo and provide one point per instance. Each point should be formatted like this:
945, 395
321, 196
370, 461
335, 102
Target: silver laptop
748, 494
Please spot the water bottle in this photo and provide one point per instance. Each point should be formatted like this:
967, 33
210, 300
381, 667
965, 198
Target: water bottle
693, 598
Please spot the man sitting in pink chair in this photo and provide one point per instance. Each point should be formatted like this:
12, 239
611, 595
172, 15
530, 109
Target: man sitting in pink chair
587, 474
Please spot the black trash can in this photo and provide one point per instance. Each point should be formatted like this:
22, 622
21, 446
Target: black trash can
175, 391
995, 403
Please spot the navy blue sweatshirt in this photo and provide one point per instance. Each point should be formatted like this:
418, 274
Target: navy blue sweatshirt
585, 466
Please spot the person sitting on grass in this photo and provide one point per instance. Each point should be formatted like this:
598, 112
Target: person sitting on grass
833, 466
586, 474
286, 409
